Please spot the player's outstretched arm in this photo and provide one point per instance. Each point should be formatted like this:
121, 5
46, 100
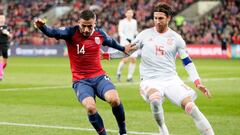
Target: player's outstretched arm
193, 74
58, 33
190, 67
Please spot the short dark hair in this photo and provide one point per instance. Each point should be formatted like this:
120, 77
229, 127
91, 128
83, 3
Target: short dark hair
165, 8
87, 15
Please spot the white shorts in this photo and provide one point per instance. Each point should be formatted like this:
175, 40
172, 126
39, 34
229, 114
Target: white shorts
174, 89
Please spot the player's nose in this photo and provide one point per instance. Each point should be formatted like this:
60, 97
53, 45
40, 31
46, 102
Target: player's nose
86, 29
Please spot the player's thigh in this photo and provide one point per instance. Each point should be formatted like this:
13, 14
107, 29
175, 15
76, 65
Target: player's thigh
177, 92
5, 52
83, 90
104, 84
150, 90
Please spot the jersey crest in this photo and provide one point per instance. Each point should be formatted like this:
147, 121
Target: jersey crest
170, 41
97, 40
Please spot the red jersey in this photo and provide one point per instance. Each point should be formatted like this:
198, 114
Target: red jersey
84, 52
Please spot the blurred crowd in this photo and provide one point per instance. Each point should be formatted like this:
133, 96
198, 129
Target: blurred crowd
212, 29
20, 16
109, 12
221, 25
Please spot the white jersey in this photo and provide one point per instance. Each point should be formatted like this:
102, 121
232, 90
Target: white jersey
159, 53
127, 30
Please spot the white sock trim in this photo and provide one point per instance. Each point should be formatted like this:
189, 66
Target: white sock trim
158, 113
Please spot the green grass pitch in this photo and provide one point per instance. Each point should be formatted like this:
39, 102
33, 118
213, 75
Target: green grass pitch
36, 98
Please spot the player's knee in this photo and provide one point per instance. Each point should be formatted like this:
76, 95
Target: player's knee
154, 95
189, 107
185, 101
112, 98
114, 101
5, 60
91, 109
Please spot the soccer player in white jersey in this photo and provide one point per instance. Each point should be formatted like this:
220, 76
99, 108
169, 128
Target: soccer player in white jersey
127, 30
159, 78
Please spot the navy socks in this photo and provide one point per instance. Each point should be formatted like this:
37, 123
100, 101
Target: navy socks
97, 123
119, 114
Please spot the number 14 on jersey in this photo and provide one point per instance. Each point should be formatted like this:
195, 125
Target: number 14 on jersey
80, 50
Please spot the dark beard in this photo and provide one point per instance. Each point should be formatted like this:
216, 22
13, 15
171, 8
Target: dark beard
162, 29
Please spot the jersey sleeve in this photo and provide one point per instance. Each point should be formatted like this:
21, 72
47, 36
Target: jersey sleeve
186, 60
108, 41
138, 41
58, 33
181, 46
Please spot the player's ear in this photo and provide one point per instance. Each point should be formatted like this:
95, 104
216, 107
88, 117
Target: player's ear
79, 22
95, 23
169, 18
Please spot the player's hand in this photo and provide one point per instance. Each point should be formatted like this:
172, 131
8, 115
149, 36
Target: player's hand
39, 22
130, 48
204, 90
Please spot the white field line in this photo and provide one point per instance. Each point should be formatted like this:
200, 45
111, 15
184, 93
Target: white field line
69, 128
117, 84
34, 88
55, 87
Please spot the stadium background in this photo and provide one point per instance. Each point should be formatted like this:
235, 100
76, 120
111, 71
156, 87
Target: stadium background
36, 96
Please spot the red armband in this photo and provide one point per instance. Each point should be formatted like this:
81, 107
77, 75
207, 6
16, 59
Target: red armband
106, 56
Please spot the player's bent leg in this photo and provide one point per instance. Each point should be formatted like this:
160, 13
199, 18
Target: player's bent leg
155, 98
111, 96
131, 69
93, 116
200, 120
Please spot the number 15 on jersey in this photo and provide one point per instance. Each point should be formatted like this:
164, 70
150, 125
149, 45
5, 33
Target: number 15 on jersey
159, 50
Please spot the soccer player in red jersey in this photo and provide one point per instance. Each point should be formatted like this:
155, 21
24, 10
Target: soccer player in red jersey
89, 79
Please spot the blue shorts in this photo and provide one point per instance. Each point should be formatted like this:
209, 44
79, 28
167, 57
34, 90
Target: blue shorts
93, 87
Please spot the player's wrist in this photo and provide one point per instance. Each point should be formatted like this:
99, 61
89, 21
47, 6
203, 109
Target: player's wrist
197, 82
